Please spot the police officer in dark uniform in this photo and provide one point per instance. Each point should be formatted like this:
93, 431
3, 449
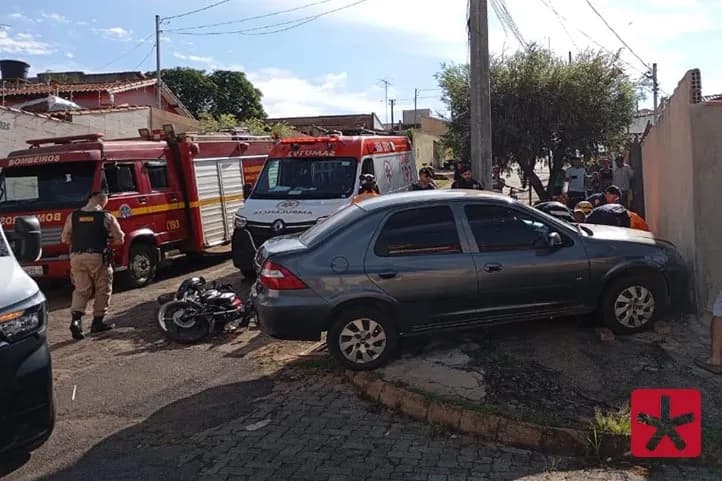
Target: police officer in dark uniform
466, 181
88, 230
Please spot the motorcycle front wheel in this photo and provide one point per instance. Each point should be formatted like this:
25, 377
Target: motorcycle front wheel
180, 322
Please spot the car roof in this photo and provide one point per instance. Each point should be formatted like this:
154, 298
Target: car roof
402, 199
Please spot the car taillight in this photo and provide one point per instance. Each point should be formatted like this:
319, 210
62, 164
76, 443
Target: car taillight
277, 277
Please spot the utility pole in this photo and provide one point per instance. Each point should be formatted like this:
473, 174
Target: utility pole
480, 101
392, 101
416, 98
386, 96
655, 89
570, 57
157, 61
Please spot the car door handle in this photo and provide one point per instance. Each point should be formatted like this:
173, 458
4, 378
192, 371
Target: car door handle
492, 267
387, 275
142, 200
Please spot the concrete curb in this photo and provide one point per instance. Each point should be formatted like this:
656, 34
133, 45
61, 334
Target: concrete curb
487, 426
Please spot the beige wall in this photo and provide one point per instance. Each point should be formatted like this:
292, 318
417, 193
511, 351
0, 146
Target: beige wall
423, 148
182, 123
433, 126
682, 158
118, 124
707, 149
16, 127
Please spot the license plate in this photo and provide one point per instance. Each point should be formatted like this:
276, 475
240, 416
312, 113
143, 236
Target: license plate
34, 271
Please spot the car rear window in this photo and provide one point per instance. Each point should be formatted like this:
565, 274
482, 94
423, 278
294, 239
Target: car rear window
326, 228
423, 231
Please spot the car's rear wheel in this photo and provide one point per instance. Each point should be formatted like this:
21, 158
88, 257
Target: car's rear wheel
363, 338
633, 303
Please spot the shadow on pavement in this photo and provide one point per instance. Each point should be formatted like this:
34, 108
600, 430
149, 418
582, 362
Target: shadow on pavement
59, 292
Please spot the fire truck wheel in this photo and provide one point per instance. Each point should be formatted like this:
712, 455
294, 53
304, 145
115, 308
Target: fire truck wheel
142, 264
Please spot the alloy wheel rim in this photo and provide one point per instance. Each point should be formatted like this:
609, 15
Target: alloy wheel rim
362, 340
141, 266
634, 306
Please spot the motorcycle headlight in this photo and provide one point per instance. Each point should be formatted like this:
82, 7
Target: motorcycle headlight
239, 222
18, 323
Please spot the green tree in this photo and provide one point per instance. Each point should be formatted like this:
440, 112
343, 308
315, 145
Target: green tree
541, 105
221, 92
193, 87
235, 94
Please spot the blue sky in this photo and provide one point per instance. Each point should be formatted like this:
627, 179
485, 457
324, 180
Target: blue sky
333, 64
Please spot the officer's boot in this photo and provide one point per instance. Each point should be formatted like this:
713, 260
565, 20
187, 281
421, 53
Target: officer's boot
100, 326
76, 326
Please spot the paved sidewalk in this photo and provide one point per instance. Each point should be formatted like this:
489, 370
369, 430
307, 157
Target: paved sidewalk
309, 427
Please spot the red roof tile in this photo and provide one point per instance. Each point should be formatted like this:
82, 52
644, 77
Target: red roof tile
110, 87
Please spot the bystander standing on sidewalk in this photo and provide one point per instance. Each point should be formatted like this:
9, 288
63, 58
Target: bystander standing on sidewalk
714, 362
622, 176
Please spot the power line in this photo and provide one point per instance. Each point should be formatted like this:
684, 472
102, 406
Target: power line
196, 10
502, 12
561, 20
127, 52
246, 19
293, 23
152, 49
617, 35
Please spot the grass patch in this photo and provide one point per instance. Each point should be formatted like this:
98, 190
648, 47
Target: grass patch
615, 423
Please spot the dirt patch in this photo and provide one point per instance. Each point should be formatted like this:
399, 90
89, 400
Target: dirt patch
558, 373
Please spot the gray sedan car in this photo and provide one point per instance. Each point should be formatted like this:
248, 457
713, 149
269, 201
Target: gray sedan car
420, 262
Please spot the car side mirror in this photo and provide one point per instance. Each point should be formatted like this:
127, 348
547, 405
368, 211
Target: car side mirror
247, 188
27, 239
554, 240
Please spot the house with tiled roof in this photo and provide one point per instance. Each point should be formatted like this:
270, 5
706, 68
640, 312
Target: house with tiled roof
117, 104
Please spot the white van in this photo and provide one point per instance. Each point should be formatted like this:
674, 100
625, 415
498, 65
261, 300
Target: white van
309, 178
26, 397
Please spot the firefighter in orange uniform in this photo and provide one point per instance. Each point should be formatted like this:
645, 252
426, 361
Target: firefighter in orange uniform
87, 230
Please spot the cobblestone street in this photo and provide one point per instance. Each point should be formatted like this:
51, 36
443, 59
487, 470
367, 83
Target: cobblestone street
131, 406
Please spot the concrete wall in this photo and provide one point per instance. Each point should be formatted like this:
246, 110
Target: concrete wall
181, 122
668, 180
707, 149
424, 149
16, 127
115, 124
682, 158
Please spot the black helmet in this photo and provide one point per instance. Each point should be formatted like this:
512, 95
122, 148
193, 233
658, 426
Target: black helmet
368, 181
190, 286
556, 209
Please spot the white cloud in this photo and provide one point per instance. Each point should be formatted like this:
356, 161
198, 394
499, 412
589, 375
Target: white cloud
286, 94
70, 54
23, 44
20, 16
54, 17
193, 58
115, 33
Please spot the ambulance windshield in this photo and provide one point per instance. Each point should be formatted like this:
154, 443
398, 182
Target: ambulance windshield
45, 186
306, 178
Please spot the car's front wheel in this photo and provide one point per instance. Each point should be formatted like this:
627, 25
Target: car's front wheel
362, 338
633, 303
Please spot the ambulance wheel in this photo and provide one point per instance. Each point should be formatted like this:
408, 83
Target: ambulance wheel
142, 265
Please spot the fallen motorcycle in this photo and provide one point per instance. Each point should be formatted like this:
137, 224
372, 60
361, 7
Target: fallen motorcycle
199, 309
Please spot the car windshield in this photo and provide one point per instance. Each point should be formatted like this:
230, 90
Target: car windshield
328, 226
306, 178
47, 186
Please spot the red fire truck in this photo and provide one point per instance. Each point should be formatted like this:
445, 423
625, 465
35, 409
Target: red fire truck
173, 194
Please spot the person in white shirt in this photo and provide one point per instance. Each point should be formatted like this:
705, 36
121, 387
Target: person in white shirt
577, 177
622, 178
